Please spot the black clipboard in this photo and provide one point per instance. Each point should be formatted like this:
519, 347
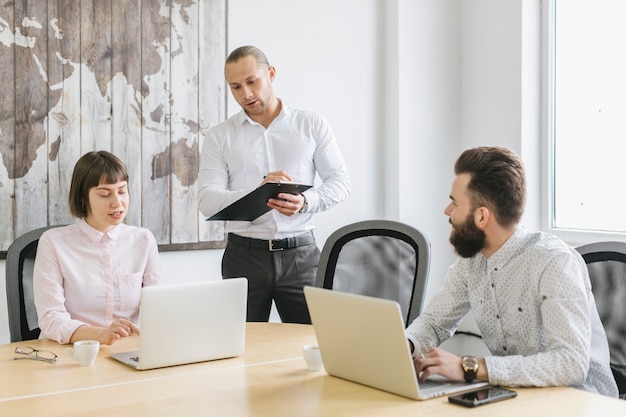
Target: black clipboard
254, 204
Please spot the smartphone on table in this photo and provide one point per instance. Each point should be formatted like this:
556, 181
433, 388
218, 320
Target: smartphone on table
482, 396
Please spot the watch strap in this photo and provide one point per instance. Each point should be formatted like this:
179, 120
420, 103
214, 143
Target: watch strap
305, 206
470, 368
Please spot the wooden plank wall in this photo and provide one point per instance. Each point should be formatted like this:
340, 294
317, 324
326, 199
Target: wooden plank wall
140, 78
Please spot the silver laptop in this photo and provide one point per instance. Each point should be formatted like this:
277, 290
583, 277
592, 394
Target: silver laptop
362, 339
187, 323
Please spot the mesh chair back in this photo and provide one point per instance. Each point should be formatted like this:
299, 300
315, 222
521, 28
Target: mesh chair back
23, 322
378, 258
606, 262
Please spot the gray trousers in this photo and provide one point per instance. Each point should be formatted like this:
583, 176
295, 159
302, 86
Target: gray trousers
278, 276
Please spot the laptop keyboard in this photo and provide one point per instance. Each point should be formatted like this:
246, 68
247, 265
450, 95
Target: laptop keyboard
431, 384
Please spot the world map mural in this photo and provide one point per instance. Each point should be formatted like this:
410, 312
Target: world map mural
140, 78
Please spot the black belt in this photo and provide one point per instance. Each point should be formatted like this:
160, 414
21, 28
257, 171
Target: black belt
272, 245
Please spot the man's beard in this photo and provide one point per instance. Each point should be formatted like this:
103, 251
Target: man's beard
466, 238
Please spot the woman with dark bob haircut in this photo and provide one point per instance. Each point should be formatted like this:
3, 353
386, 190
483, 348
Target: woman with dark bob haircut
88, 275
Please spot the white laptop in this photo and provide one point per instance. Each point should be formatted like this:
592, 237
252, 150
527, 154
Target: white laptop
362, 339
187, 323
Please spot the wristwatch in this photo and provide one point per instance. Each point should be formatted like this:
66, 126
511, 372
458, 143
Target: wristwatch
305, 206
470, 368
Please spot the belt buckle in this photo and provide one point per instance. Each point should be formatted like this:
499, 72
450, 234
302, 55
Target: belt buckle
270, 246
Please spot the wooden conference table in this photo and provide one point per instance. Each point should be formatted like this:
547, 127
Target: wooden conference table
270, 379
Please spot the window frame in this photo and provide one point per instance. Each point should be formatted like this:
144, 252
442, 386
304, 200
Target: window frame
571, 236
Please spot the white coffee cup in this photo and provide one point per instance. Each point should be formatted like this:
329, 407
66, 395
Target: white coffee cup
312, 357
84, 351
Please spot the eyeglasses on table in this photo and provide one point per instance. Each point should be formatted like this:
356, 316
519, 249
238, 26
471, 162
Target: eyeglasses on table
35, 354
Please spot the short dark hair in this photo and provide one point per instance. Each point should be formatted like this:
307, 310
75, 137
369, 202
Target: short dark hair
248, 50
92, 169
497, 181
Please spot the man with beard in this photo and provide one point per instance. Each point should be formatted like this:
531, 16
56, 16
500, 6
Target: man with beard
530, 293
270, 142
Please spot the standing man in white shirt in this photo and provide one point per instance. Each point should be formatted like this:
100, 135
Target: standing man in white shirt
270, 142
530, 293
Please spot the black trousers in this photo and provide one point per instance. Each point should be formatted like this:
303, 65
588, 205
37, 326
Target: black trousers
279, 276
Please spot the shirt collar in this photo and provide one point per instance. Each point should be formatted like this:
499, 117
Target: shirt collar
96, 235
243, 117
509, 249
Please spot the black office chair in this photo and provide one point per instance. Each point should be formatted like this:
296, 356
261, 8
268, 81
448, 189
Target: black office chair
606, 262
20, 260
379, 258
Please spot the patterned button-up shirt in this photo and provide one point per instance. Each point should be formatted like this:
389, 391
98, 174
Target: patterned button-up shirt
533, 304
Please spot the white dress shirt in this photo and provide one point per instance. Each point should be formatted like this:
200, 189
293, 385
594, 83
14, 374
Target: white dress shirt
533, 304
83, 276
239, 152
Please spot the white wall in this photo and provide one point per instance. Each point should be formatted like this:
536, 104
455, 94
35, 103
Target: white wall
406, 85
500, 91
